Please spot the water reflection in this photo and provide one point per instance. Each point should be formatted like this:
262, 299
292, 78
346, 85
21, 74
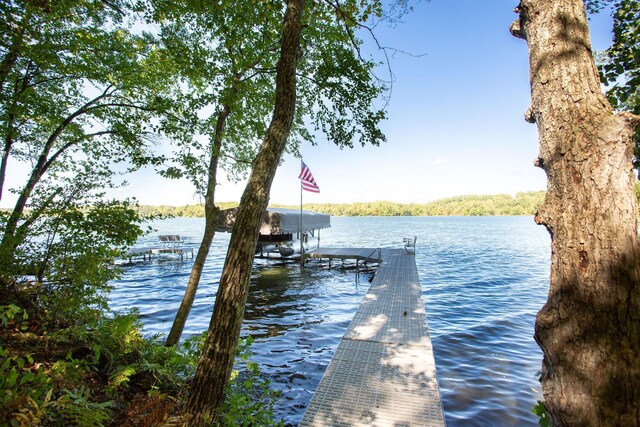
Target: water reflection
277, 300
297, 317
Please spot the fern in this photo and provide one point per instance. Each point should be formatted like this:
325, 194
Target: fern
120, 376
77, 409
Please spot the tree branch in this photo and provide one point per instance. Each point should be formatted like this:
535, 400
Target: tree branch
344, 17
69, 144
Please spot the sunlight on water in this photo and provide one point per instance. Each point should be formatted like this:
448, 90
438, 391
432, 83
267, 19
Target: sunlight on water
483, 281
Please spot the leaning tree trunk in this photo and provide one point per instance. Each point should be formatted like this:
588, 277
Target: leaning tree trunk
210, 215
214, 367
589, 328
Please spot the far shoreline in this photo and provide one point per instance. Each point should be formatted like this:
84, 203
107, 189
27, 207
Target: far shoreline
522, 204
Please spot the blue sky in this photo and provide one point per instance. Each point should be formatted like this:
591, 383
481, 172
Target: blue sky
455, 121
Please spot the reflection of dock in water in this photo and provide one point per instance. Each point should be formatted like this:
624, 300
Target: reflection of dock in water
383, 372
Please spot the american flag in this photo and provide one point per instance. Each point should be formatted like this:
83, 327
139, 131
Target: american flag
307, 181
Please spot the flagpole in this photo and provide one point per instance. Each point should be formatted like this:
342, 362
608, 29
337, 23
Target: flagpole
301, 259
306, 183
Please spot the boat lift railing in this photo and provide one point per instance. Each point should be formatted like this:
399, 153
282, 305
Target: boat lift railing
379, 251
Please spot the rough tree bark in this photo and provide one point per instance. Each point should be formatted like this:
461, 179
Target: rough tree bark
214, 368
210, 214
589, 328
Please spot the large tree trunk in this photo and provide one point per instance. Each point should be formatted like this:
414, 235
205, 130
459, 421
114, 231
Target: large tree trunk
216, 362
210, 215
589, 328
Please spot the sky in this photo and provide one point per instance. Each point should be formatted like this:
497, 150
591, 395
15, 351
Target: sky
455, 120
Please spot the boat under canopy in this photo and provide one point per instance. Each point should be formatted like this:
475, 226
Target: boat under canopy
278, 221
280, 229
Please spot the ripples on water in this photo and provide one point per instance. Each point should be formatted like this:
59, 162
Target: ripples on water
483, 280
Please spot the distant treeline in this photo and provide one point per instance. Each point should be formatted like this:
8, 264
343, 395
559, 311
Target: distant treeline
502, 204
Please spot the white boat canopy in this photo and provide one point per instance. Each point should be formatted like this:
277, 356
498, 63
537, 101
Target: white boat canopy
278, 221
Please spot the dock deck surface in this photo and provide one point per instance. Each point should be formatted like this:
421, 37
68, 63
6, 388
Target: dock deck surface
383, 372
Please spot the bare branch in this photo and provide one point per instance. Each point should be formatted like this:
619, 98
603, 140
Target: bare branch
344, 17
114, 7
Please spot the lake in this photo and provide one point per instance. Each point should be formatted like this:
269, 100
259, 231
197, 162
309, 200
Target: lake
483, 280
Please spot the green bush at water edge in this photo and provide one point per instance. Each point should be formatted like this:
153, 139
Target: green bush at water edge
109, 374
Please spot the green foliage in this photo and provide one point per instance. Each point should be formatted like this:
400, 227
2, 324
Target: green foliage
69, 257
619, 65
249, 400
621, 68
521, 204
27, 391
120, 351
596, 6
76, 407
225, 54
24, 389
83, 89
333, 69
11, 314
78, 90
110, 359
541, 412
189, 211
110, 362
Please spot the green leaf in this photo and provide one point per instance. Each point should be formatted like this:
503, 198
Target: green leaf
121, 375
10, 380
541, 411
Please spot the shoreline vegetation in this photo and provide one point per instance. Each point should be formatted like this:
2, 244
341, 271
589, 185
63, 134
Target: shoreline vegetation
525, 203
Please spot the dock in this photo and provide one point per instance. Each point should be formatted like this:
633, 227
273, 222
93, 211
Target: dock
147, 253
383, 372
373, 255
170, 244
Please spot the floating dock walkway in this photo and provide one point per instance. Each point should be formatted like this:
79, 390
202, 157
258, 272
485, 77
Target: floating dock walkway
383, 372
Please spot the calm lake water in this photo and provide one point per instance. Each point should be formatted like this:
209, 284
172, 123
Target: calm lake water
483, 280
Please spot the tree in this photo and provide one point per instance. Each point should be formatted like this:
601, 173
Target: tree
77, 90
230, 46
331, 87
240, 39
589, 328
214, 368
